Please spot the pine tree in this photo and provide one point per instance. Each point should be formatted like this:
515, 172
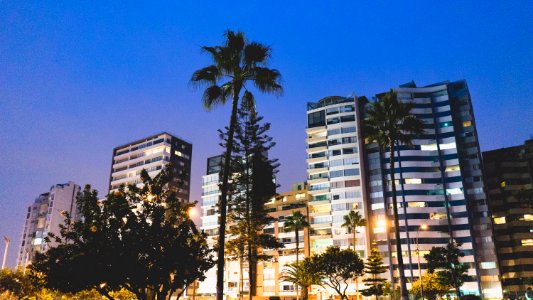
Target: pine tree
373, 267
253, 185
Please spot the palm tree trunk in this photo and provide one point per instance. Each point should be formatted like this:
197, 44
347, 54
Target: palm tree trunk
354, 238
403, 284
305, 293
224, 196
297, 244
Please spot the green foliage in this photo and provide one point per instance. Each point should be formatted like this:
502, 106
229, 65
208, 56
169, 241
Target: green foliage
352, 221
15, 283
296, 222
302, 274
252, 186
138, 239
373, 268
431, 285
234, 64
445, 262
389, 122
336, 267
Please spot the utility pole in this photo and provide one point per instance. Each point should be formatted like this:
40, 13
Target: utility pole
5, 251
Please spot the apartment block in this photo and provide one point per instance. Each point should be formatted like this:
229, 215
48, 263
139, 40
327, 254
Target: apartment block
280, 207
334, 172
43, 217
439, 185
152, 153
509, 182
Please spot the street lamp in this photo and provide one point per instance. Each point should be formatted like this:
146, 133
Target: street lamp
423, 227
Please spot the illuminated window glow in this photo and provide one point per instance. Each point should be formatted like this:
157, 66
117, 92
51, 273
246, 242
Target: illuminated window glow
413, 181
527, 242
528, 217
416, 204
452, 168
467, 123
500, 220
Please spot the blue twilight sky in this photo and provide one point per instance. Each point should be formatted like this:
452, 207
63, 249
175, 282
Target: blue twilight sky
78, 78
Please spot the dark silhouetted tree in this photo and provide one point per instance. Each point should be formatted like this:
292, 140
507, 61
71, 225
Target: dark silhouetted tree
235, 63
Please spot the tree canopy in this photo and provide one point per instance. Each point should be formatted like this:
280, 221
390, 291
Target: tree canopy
336, 267
444, 262
140, 239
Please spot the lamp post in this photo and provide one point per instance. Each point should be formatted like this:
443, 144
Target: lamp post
5, 251
423, 227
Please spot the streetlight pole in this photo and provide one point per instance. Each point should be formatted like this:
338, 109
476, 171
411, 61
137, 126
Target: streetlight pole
423, 227
5, 252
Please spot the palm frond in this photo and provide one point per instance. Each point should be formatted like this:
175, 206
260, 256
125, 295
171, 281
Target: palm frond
205, 76
255, 53
267, 80
214, 95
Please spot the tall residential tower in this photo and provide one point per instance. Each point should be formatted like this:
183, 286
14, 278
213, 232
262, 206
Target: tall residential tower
152, 154
509, 180
440, 185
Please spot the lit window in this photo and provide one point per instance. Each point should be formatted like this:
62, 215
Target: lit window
528, 217
447, 146
467, 123
488, 265
454, 191
437, 216
376, 206
500, 220
452, 168
527, 242
431, 147
413, 181
416, 204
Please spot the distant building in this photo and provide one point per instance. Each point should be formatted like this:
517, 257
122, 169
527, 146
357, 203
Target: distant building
439, 183
282, 206
509, 182
152, 154
43, 217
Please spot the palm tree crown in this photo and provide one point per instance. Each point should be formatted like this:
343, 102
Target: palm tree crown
234, 64
352, 221
389, 120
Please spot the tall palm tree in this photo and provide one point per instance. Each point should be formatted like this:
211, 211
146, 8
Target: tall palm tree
352, 221
296, 222
235, 63
390, 123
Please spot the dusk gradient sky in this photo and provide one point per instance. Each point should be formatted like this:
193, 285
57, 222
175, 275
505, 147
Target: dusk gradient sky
78, 78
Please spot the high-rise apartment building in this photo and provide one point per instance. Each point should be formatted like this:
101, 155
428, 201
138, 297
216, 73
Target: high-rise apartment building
43, 217
509, 181
440, 184
152, 154
334, 172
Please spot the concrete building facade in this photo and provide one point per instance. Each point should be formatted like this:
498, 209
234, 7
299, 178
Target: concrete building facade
439, 184
152, 153
43, 217
509, 180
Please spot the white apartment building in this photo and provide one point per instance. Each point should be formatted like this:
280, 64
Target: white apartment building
43, 217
